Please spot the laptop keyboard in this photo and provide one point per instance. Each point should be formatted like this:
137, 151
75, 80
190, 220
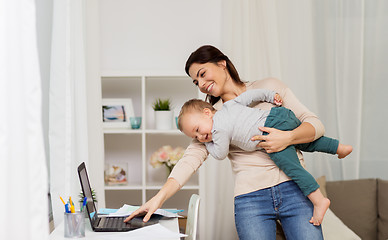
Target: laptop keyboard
113, 222
117, 224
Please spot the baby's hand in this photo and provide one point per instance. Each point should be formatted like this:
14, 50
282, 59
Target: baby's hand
278, 100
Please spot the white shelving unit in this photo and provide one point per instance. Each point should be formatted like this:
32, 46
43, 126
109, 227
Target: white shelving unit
134, 147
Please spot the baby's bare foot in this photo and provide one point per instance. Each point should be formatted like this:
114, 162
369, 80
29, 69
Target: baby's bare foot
319, 211
344, 150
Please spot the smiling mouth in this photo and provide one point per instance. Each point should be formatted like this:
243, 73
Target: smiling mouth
210, 87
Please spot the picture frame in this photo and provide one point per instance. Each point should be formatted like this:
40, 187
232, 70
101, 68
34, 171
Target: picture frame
116, 173
116, 112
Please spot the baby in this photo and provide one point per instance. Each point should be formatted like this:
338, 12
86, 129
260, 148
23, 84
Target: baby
236, 123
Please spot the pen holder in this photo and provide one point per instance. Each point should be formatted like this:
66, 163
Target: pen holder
74, 225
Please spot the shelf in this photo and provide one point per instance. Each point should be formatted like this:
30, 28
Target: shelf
123, 187
125, 74
188, 187
131, 149
122, 131
139, 131
172, 132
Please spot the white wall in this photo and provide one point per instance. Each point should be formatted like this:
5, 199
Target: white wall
154, 36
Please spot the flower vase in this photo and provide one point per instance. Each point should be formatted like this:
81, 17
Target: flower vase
169, 169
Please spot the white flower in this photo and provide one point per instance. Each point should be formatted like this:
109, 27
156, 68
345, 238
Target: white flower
166, 155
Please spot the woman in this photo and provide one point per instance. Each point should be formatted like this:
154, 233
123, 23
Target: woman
262, 192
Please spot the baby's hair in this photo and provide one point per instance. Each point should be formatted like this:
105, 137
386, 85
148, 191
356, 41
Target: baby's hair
193, 105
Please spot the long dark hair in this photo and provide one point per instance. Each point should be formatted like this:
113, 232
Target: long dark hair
210, 54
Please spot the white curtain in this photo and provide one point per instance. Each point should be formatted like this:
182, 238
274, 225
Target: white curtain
23, 178
373, 160
338, 33
317, 49
217, 197
67, 113
333, 55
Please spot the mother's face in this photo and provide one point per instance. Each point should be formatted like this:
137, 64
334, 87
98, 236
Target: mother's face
209, 77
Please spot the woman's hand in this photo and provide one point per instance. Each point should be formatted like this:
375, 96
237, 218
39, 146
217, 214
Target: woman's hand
147, 209
169, 188
275, 141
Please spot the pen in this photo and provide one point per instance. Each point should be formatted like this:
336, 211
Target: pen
71, 202
62, 200
72, 209
84, 203
67, 208
173, 210
66, 205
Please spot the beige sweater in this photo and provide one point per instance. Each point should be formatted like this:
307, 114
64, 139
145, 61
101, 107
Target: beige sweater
252, 170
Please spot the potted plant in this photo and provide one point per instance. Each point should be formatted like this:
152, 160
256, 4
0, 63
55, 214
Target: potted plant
162, 105
81, 200
163, 114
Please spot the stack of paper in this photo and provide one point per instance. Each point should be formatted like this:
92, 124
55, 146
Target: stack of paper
127, 210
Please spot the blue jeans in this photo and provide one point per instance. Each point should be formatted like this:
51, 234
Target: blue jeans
256, 214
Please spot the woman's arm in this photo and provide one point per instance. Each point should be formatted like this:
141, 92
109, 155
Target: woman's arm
169, 189
277, 140
192, 159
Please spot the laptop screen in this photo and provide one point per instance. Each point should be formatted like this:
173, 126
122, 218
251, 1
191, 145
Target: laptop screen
86, 189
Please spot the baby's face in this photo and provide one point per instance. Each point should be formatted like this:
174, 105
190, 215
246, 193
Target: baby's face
198, 125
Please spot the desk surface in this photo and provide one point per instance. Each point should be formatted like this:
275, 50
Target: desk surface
58, 233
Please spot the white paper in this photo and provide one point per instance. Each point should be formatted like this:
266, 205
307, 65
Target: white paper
127, 210
153, 232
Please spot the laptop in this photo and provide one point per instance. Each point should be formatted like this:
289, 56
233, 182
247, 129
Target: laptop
104, 223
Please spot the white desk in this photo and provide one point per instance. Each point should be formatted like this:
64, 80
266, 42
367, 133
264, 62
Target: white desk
58, 233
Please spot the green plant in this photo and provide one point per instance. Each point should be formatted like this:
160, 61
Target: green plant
81, 196
162, 105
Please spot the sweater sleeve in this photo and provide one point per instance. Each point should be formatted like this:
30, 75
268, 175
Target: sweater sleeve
255, 95
192, 159
219, 147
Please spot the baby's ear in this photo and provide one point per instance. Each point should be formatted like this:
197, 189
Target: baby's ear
207, 111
